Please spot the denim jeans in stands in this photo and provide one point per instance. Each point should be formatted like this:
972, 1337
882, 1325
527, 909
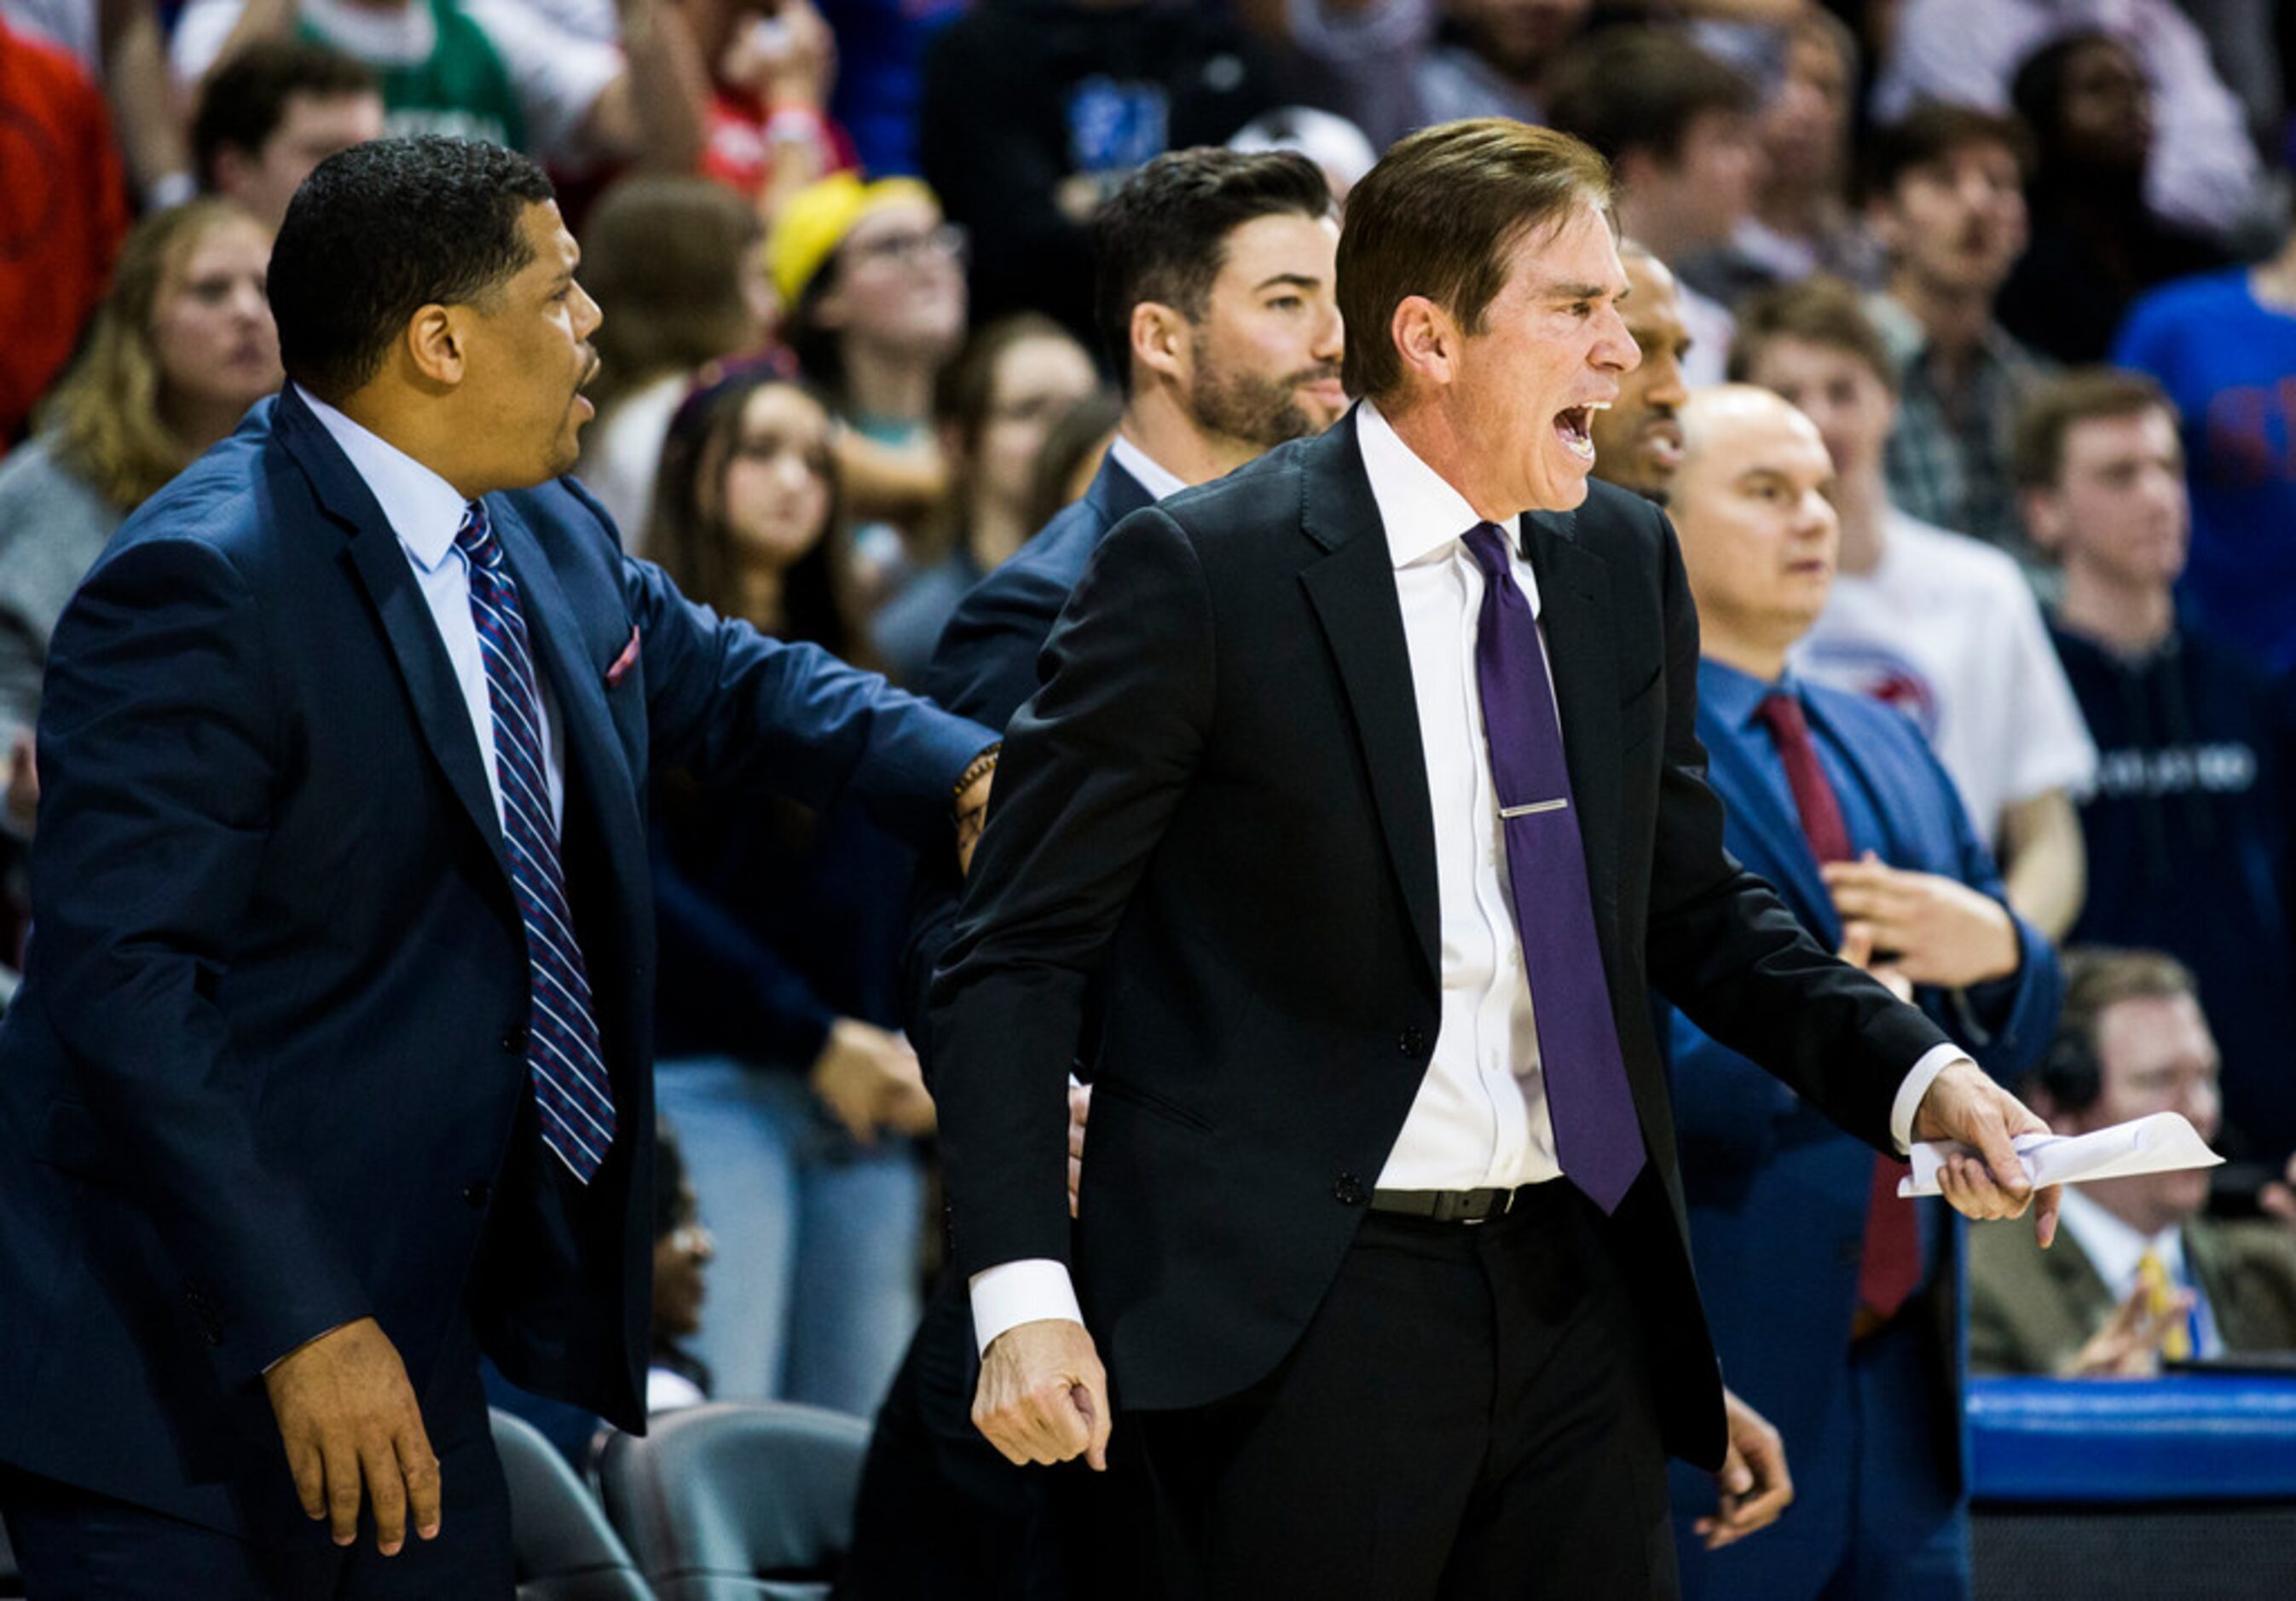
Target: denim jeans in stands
814, 1291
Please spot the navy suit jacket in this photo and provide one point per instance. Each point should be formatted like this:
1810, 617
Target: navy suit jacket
1777, 1194
264, 1072
986, 667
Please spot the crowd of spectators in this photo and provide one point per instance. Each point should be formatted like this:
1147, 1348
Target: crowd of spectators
860, 344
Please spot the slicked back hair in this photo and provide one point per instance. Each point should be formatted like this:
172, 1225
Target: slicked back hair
1162, 237
381, 230
1439, 215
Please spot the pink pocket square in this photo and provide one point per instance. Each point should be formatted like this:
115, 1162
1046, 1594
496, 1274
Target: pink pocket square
628, 660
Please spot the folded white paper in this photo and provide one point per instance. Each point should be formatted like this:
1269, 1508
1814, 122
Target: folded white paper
2162, 1143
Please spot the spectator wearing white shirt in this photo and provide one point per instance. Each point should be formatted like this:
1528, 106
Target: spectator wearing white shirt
2204, 172
493, 69
1936, 623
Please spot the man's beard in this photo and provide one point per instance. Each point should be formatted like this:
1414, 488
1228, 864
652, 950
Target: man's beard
1261, 411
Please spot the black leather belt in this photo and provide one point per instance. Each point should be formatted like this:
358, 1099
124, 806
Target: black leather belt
1451, 1206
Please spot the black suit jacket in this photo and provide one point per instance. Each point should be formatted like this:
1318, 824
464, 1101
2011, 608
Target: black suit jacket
984, 668
1218, 806
264, 1071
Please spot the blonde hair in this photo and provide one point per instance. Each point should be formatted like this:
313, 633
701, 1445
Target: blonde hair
104, 415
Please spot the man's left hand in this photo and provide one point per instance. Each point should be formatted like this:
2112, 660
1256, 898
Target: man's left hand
1963, 1104
1755, 1485
1934, 930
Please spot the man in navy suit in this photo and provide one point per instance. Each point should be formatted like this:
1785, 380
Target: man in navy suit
1216, 300
1836, 1308
329, 1070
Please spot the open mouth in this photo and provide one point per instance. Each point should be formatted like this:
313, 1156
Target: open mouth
1662, 442
1574, 426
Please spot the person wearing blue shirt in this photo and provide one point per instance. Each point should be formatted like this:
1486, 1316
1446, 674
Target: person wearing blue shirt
1836, 1307
2223, 346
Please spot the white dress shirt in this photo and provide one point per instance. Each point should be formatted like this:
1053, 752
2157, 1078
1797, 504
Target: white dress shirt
1480, 1119
2115, 1248
1152, 475
425, 512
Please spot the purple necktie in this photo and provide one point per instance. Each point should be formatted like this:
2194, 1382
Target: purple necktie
1597, 1138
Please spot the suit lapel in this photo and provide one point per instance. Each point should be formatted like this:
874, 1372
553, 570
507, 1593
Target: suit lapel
601, 777
374, 555
1574, 614
1352, 589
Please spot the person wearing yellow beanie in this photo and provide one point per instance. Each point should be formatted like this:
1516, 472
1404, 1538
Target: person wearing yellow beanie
872, 282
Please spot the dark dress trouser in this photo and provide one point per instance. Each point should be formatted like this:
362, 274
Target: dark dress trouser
1469, 1416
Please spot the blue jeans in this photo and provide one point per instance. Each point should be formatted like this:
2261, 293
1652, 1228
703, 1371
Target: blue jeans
814, 1288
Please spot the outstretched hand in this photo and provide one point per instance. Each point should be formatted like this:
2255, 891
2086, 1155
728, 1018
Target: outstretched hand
1963, 1105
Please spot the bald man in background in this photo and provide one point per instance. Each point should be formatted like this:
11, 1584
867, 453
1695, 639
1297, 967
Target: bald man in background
1835, 1305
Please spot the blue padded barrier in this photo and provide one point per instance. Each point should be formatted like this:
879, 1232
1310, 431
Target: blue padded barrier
2196, 1437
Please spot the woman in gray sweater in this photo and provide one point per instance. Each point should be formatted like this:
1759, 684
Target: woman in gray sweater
181, 347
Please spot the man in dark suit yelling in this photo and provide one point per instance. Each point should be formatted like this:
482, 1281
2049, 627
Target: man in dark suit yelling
330, 1065
1363, 799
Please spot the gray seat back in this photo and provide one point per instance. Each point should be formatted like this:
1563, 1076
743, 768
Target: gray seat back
564, 1548
738, 1502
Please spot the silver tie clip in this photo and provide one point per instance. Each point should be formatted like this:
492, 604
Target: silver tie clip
1533, 808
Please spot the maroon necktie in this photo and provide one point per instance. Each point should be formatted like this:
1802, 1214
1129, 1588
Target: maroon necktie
1891, 1266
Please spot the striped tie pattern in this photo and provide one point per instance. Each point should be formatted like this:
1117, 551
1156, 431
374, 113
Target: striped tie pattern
562, 1053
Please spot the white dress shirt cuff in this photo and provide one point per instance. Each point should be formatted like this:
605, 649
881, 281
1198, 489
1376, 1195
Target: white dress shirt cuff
1016, 1293
1910, 1093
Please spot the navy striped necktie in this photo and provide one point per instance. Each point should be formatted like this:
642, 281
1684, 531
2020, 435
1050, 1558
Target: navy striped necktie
572, 1091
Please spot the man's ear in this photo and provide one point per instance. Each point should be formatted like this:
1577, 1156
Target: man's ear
1163, 342
436, 346
2045, 520
1427, 338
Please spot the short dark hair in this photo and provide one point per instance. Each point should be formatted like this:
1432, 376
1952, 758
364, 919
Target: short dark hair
1930, 133
381, 230
1818, 310
1642, 88
244, 100
1437, 217
1163, 236
2063, 402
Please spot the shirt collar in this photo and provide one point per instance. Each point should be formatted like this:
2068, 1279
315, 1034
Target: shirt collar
1160, 480
1423, 514
2114, 1248
1734, 695
423, 509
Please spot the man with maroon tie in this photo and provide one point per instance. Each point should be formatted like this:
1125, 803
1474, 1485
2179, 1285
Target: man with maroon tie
1835, 1307
1358, 812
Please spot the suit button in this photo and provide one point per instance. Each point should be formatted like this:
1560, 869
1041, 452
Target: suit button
1849, 1250
1412, 1041
1349, 1191
478, 1194
514, 1042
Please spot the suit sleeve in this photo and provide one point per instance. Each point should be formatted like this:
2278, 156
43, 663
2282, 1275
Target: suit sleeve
733, 707
158, 760
1094, 767
2005, 1025
1724, 948
985, 668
